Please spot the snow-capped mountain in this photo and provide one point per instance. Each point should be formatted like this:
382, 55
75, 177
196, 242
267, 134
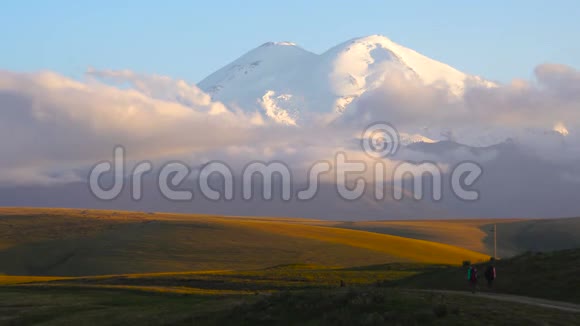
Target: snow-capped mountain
290, 84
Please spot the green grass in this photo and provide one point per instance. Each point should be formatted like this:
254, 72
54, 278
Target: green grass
224, 282
54, 306
293, 294
336, 306
375, 306
554, 276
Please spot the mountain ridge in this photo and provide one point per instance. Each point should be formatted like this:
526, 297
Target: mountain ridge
289, 83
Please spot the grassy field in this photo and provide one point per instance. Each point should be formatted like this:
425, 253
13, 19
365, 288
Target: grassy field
515, 236
554, 275
536, 235
85, 242
377, 306
61, 306
66, 267
281, 295
326, 306
229, 282
295, 295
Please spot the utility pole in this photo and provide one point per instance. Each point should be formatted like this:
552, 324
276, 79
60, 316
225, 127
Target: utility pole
495, 241
494, 230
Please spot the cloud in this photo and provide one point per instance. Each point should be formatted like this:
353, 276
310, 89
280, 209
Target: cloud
562, 80
49, 123
52, 128
542, 112
161, 87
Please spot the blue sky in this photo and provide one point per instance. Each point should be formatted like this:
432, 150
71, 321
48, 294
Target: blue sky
185, 39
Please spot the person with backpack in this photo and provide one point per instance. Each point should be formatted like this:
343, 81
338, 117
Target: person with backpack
472, 278
490, 275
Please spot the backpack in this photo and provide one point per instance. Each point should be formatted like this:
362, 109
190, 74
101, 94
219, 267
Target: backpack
473, 274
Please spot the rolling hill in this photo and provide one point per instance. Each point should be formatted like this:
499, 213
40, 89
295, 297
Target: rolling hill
303, 294
552, 275
74, 265
515, 236
67, 242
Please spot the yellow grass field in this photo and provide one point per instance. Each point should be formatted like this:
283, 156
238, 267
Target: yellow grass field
67, 242
515, 236
213, 283
462, 233
67, 267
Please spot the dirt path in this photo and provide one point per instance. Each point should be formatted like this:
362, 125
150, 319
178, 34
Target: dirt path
559, 305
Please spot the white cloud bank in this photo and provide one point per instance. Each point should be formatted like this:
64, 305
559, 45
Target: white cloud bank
51, 127
49, 123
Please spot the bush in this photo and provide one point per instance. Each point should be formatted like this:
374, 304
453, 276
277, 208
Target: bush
440, 310
455, 310
372, 319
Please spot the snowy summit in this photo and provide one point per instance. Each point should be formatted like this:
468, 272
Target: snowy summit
272, 78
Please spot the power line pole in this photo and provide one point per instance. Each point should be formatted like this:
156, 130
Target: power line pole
494, 230
495, 241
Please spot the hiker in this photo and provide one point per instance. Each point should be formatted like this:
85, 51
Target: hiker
490, 275
472, 278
